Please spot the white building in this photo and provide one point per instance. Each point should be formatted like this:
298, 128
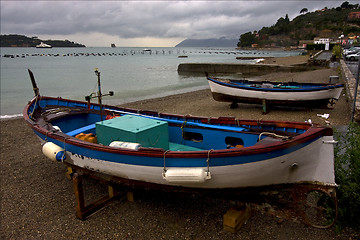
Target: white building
323, 40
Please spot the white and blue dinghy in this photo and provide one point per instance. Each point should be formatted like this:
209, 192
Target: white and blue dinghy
274, 93
170, 151
181, 151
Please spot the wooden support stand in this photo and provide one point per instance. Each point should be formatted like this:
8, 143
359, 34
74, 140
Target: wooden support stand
130, 196
265, 109
83, 211
234, 218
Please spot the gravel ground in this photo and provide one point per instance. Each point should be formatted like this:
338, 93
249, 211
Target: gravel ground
37, 200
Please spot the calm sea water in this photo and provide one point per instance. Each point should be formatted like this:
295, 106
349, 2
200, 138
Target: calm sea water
132, 73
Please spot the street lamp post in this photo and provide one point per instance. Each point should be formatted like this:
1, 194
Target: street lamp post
341, 38
355, 93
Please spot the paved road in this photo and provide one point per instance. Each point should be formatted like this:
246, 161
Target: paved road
326, 55
353, 67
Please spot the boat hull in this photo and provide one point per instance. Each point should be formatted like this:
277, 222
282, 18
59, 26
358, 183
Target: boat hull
230, 93
306, 157
309, 164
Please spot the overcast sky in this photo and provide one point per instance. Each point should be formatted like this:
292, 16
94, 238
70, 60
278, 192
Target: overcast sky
145, 23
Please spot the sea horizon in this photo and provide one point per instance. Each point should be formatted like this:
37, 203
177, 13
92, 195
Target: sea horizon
132, 73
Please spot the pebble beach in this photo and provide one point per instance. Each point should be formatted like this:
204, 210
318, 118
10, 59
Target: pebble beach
37, 200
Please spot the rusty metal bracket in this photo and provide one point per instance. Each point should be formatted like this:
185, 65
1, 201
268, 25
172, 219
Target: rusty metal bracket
317, 205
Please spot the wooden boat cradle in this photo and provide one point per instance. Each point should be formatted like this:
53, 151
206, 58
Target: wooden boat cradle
298, 193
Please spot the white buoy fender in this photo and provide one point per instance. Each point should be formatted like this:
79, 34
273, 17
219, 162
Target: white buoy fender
126, 145
186, 175
53, 151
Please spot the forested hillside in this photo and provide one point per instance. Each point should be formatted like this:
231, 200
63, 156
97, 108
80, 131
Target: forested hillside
325, 23
14, 40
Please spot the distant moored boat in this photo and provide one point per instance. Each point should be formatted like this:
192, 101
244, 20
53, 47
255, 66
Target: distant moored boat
274, 93
43, 45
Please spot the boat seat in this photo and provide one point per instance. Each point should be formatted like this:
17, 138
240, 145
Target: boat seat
180, 147
267, 140
84, 129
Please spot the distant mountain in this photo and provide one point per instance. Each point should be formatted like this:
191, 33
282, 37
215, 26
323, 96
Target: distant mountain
210, 42
14, 40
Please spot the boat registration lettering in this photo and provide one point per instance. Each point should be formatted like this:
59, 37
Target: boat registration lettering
83, 157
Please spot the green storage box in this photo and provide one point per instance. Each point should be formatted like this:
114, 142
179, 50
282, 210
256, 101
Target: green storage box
136, 129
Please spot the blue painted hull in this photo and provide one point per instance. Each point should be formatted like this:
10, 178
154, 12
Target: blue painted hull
274, 93
218, 152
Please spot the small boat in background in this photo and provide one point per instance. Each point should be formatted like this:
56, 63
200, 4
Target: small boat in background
146, 50
113, 45
43, 45
274, 93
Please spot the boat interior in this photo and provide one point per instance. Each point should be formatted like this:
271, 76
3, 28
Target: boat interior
169, 132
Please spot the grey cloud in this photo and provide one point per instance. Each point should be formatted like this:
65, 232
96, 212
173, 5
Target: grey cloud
162, 19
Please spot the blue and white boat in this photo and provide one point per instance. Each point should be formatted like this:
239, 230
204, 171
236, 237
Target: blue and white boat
181, 151
274, 93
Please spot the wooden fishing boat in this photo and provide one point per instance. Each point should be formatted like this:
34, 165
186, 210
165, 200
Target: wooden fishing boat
181, 151
274, 93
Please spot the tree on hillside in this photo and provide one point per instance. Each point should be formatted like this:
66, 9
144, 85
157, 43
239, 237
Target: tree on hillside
282, 25
329, 23
246, 39
347, 5
304, 10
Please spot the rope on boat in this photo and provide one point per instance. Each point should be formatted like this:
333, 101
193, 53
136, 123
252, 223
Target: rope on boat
62, 158
58, 110
164, 171
36, 100
156, 141
183, 125
46, 136
274, 135
61, 109
208, 162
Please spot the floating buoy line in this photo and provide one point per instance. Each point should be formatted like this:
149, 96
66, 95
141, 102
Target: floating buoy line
137, 52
